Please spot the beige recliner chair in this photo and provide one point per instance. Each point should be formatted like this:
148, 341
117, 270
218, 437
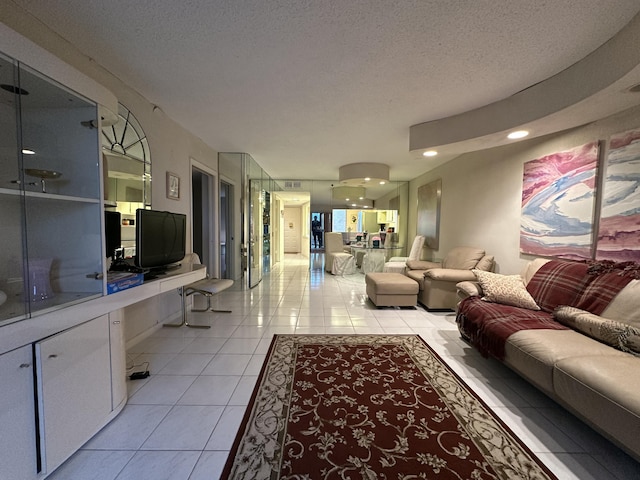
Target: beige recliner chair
438, 280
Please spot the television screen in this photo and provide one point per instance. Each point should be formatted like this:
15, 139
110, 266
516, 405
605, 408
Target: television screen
112, 231
161, 238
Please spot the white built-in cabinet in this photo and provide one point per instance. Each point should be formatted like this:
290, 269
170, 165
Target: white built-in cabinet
62, 349
18, 455
74, 388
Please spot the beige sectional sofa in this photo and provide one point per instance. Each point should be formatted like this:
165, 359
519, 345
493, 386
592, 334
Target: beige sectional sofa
588, 362
437, 280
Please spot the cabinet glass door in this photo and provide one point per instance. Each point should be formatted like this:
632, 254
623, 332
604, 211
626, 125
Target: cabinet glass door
62, 193
50, 205
12, 286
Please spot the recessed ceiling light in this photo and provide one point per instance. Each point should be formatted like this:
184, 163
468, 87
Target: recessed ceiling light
518, 134
430, 153
353, 204
366, 179
346, 199
360, 198
26, 151
382, 182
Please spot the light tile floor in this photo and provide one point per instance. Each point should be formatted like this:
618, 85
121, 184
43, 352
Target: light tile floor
180, 422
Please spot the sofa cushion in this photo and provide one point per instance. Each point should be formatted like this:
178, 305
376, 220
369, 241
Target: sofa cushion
624, 306
531, 268
486, 263
463, 258
604, 391
488, 325
533, 353
616, 334
422, 264
505, 289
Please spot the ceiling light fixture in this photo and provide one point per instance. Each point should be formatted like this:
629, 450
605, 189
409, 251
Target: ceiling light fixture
518, 134
26, 151
429, 153
360, 174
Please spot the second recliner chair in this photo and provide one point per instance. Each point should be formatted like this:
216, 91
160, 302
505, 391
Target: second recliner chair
438, 281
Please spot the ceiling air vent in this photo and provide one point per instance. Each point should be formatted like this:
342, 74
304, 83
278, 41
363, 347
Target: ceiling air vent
292, 184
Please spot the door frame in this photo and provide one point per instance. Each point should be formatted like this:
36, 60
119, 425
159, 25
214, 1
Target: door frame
209, 203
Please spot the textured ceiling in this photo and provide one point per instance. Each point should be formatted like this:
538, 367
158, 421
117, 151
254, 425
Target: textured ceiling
305, 86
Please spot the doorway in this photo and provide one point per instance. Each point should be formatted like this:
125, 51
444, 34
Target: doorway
203, 215
317, 231
227, 245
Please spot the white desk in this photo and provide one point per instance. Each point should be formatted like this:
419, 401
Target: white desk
41, 325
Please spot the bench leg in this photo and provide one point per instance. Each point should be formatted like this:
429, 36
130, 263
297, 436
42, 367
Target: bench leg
209, 308
184, 321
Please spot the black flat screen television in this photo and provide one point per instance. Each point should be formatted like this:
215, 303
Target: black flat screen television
161, 238
112, 235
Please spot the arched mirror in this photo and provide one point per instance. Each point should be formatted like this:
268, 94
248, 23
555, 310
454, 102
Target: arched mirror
127, 172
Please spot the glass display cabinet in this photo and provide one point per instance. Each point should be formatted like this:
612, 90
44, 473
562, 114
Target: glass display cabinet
50, 205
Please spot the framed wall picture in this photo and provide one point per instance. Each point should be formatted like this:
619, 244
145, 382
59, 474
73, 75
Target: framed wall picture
619, 226
558, 200
173, 186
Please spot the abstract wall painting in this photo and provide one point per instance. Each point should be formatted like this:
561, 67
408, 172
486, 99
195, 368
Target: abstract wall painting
429, 213
558, 198
619, 230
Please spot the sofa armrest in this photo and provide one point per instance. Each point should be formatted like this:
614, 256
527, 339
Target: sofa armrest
468, 289
450, 275
422, 265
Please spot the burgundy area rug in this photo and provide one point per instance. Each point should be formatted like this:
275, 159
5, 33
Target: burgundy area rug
370, 407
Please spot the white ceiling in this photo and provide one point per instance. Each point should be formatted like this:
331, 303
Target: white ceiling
305, 86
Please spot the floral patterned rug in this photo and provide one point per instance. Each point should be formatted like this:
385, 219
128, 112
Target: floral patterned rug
370, 407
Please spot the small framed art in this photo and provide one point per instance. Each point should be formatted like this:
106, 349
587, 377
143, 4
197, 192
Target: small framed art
173, 186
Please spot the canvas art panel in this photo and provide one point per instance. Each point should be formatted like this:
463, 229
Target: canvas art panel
619, 229
558, 198
429, 213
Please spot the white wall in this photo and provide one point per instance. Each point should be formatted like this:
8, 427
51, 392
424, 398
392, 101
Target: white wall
482, 191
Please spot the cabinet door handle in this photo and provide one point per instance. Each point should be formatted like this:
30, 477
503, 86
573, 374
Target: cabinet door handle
25, 365
53, 355
116, 322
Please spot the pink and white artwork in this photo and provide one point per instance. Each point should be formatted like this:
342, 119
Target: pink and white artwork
558, 202
619, 231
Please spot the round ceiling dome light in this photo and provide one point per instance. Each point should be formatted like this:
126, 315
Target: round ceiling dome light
429, 153
518, 134
360, 174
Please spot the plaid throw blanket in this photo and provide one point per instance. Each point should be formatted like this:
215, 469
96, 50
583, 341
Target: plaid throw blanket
488, 325
569, 283
558, 283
